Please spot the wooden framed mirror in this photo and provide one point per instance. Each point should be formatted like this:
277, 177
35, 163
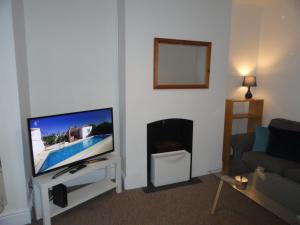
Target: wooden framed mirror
181, 64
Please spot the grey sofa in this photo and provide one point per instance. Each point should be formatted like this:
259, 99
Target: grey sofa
242, 151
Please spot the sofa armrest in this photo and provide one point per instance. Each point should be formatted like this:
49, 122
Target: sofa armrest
241, 143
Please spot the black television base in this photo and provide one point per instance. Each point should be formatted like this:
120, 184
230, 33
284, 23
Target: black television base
71, 169
74, 169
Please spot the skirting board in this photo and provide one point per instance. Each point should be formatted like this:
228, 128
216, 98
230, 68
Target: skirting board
19, 217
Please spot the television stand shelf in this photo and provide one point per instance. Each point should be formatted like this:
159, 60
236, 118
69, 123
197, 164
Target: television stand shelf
44, 208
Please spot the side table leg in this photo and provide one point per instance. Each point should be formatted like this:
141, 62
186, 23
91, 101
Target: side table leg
45, 206
217, 197
107, 172
118, 177
37, 202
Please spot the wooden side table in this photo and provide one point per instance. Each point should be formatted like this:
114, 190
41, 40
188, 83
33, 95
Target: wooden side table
254, 117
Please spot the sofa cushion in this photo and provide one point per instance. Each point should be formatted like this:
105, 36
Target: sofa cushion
293, 174
284, 144
285, 124
261, 139
270, 163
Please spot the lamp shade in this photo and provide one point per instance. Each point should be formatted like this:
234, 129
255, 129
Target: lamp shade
249, 81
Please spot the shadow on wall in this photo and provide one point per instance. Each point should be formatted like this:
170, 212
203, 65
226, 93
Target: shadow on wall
3, 201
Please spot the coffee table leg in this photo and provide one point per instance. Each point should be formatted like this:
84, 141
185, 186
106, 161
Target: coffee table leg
217, 197
298, 219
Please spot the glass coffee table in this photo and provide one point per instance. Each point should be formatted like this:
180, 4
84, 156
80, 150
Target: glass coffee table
273, 192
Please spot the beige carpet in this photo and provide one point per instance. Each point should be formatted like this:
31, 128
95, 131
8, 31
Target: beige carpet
189, 205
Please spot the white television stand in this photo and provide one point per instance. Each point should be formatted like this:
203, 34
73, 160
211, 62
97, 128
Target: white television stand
44, 208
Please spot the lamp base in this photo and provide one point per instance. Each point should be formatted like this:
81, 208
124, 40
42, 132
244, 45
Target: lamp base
248, 95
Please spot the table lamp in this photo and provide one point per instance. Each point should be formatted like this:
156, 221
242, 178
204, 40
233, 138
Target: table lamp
249, 81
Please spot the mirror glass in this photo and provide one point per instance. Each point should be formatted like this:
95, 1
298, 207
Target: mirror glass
181, 64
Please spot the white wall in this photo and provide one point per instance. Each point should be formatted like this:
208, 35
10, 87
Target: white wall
279, 57
11, 151
203, 20
244, 44
23, 83
122, 81
72, 55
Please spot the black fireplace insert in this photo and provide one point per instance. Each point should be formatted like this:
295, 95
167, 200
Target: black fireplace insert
166, 136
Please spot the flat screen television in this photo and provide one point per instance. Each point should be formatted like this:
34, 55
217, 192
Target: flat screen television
69, 139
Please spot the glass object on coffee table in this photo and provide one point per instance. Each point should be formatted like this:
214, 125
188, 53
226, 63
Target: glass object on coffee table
272, 191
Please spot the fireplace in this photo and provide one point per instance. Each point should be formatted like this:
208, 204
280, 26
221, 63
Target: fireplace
166, 136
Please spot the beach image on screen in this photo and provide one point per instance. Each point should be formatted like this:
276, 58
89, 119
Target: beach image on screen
64, 139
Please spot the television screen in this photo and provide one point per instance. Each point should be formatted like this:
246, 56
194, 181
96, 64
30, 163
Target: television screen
67, 139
